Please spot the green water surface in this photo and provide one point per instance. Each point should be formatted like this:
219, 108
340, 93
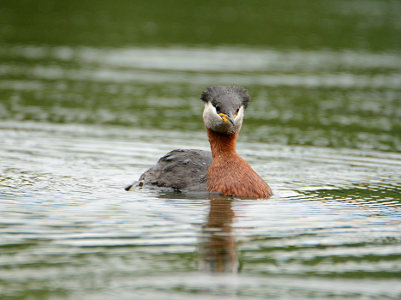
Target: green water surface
94, 92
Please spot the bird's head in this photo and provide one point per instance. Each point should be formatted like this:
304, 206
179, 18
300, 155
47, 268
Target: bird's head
224, 108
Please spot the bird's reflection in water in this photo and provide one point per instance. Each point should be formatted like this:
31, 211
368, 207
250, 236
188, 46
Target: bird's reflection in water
217, 250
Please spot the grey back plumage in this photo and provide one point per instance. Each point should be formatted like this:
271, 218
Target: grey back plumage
181, 170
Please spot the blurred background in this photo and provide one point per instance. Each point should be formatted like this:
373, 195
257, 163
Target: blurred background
321, 73
92, 93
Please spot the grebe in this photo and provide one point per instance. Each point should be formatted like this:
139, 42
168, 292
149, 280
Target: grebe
222, 171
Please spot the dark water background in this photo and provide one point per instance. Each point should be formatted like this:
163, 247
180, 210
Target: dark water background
94, 92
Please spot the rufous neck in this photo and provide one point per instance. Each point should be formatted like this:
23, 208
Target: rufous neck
222, 144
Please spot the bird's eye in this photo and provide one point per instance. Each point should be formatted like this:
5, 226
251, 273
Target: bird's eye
217, 108
237, 111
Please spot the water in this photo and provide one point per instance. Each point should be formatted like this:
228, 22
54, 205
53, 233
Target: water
69, 229
88, 105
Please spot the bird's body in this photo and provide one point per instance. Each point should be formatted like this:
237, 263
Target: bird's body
181, 170
222, 171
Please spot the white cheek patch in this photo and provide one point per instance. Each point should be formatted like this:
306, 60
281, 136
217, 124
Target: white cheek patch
210, 116
214, 122
238, 119
240, 115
